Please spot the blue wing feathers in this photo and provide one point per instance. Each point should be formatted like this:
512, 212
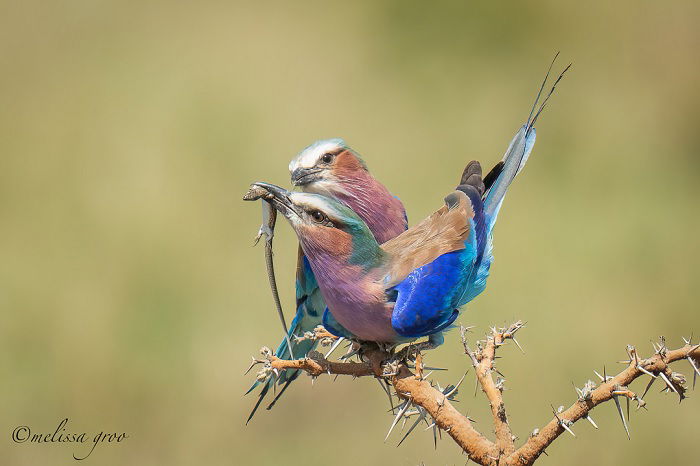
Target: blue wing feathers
427, 296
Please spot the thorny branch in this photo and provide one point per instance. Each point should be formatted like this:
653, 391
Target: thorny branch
425, 401
612, 387
483, 362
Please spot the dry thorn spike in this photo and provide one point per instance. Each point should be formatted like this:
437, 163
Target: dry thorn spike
562, 422
334, 346
406, 405
454, 389
422, 416
651, 382
518, 345
668, 382
696, 371
386, 390
590, 419
639, 366
622, 416
253, 364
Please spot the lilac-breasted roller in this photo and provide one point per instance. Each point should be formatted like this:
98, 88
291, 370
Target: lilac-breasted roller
332, 168
414, 284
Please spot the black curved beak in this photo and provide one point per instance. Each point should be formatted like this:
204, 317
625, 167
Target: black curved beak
278, 196
302, 176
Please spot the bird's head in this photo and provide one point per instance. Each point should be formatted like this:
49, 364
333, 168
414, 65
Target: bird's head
323, 225
324, 165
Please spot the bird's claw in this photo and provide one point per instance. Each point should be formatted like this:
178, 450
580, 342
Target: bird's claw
411, 352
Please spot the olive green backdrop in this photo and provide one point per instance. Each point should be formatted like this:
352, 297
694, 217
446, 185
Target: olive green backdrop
131, 296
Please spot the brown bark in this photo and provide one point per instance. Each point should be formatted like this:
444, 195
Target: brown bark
415, 389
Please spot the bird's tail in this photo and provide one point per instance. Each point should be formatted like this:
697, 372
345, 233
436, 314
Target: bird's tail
302, 323
503, 174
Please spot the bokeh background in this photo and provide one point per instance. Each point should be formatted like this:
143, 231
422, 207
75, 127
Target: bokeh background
132, 298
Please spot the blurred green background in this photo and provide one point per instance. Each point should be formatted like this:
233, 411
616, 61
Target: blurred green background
132, 299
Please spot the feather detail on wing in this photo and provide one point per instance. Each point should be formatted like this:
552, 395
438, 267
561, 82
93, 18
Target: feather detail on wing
444, 231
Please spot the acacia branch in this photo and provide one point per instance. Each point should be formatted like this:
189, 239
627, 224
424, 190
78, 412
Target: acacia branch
483, 362
415, 390
609, 388
421, 393
410, 387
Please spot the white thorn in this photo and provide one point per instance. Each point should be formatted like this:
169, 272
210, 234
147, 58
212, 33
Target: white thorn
622, 416
668, 382
396, 419
563, 424
334, 346
639, 366
590, 419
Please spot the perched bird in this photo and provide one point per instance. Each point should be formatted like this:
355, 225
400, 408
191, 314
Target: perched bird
392, 293
332, 168
412, 285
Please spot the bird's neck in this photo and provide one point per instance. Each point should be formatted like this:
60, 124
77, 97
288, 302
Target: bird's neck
383, 213
352, 288
352, 258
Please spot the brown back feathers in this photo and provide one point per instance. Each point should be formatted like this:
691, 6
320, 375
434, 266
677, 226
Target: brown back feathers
444, 231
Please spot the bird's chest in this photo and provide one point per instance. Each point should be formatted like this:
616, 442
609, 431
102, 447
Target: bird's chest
361, 308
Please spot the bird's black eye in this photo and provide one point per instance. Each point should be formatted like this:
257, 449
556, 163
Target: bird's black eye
318, 216
327, 158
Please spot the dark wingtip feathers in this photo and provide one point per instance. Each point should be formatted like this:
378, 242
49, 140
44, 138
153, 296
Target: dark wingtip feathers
261, 397
472, 168
493, 175
471, 178
291, 379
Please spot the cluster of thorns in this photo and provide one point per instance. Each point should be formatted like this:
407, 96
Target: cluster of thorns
403, 377
416, 401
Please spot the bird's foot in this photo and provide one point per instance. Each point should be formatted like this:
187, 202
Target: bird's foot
320, 334
410, 352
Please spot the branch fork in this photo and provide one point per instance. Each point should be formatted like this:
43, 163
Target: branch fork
433, 406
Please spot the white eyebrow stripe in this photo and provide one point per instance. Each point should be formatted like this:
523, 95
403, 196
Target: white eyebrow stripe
308, 157
314, 201
310, 200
